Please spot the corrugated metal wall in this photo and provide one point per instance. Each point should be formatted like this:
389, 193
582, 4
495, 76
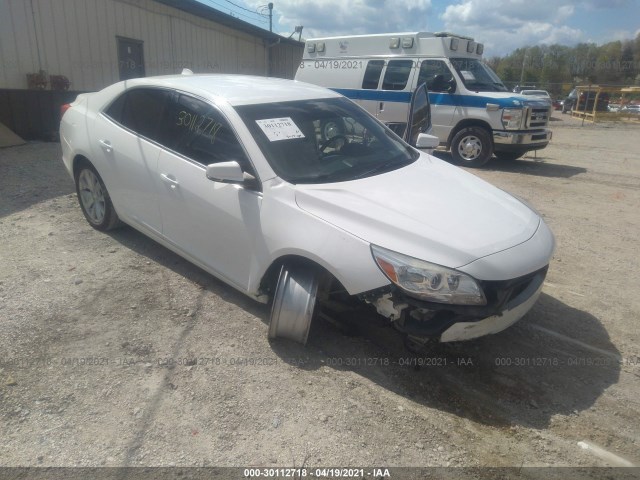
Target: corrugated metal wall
77, 38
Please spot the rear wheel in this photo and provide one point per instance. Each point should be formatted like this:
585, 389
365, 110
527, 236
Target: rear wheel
94, 199
471, 147
294, 303
508, 155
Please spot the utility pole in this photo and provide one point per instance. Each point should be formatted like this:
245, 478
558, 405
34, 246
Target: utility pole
524, 59
270, 16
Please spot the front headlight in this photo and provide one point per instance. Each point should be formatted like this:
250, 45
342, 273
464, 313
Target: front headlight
428, 281
512, 118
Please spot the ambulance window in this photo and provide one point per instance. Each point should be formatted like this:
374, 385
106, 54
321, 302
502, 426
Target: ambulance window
436, 75
397, 74
372, 74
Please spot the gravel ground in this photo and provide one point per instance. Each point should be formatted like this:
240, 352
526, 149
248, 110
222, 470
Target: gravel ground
116, 352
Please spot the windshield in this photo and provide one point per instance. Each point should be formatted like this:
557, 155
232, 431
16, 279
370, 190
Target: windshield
324, 140
477, 76
536, 93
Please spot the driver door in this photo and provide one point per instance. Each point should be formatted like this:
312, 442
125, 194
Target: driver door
419, 120
442, 95
213, 223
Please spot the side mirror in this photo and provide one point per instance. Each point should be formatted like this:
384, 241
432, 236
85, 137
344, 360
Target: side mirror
426, 141
227, 172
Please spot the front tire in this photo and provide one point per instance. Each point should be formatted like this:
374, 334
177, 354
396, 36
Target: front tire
94, 199
471, 147
294, 302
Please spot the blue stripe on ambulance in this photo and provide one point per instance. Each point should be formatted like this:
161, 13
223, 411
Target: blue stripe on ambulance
474, 101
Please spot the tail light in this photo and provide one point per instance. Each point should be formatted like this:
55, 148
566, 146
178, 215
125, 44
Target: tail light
64, 108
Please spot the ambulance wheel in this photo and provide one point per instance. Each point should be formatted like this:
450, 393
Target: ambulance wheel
471, 147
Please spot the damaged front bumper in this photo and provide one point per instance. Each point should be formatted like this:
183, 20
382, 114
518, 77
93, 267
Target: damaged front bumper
508, 301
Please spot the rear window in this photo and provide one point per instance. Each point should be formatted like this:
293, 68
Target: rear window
140, 110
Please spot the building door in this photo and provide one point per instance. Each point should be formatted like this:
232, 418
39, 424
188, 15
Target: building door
130, 58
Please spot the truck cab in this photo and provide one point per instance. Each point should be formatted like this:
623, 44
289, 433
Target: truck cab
473, 113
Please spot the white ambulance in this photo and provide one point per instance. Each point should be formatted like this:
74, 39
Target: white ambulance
472, 112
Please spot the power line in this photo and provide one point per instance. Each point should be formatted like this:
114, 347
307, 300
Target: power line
243, 8
222, 9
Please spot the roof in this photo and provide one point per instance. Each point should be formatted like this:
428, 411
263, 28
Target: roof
201, 10
238, 89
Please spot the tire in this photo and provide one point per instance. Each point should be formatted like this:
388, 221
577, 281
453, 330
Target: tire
294, 303
471, 147
94, 199
508, 155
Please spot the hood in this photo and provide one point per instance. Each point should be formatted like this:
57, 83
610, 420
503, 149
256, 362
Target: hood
481, 99
508, 99
429, 210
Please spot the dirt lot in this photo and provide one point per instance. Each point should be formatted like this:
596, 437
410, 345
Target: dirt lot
116, 352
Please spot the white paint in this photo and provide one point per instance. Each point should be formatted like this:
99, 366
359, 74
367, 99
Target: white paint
468, 330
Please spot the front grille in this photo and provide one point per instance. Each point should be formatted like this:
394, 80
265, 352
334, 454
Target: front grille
500, 293
537, 117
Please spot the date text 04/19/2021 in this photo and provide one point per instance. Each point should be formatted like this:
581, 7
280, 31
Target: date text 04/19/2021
332, 472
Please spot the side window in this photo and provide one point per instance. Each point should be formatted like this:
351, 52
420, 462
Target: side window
198, 131
397, 74
116, 109
372, 74
436, 75
140, 110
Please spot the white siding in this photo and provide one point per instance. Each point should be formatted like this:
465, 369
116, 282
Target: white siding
77, 38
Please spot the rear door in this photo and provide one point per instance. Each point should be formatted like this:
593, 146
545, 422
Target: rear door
394, 94
367, 98
126, 135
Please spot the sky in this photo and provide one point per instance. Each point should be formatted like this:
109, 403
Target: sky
502, 25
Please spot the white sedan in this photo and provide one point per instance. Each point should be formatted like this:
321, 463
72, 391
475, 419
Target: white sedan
234, 174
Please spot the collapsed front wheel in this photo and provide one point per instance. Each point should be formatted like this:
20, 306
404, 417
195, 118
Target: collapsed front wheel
294, 302
471, 147
94, 198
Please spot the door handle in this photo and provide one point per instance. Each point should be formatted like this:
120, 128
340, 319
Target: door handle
171, 181
106, 145
382, 106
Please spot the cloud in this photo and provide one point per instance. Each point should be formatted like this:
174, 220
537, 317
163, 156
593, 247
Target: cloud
502, 25
508, 24
339, 17
607, 4
507, 13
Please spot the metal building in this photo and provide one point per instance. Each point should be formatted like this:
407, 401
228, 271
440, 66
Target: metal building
85, 45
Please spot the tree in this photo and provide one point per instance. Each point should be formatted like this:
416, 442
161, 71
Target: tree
558, 67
